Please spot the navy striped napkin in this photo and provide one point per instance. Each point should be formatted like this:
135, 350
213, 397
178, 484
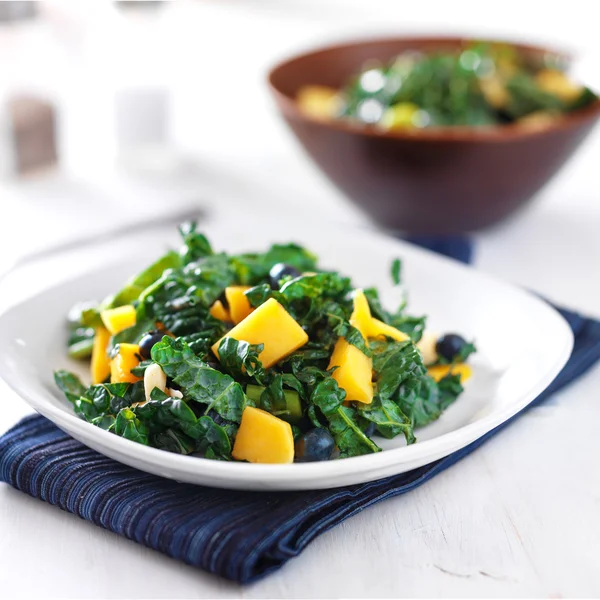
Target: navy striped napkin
239, 535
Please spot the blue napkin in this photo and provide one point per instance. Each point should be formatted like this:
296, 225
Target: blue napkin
239, 535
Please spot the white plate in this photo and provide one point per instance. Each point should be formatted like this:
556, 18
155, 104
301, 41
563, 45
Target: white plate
523, 344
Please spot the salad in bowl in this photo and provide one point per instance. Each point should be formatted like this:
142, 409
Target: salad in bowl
261, 357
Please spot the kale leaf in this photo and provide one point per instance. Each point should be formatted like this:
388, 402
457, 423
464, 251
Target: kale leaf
195, 244
80, 342
127, 425
253, 268
132, 290
388, 418
395, 363
342, 420
349, 437
240, 359
396, 271
426, 402
69, 384
174, 441
198, 381
412, 326
166, 416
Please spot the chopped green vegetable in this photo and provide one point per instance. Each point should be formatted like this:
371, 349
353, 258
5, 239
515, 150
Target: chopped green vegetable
135, 286
200, 382
200, 409
388, 418
478, 85
396, 270
286, 404
69, 384
127, 425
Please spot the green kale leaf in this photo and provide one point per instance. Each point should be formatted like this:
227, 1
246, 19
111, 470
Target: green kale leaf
348, 436
195, 246
132, 290
69, 384
174, 441
396, 363
342, 420
396, 271
127, 425
240, 359
198, 381
388, 418
426, 402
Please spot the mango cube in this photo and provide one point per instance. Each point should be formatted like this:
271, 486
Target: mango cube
318, 101
121, 365
239, 307
263, 438
270, 324
118, 319
381, 329
354, 372
100, 365
218, 311
368, 326
438, 372
558, 84
361, 314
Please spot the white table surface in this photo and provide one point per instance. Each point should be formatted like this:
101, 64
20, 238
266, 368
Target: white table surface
519, 517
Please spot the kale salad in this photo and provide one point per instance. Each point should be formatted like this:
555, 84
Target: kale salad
258, 357
483, 84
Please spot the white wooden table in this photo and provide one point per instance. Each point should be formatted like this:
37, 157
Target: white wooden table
519, 517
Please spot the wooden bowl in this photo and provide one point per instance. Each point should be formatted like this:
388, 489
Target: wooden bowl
433, 181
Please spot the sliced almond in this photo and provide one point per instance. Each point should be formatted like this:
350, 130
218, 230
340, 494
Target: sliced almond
154, 377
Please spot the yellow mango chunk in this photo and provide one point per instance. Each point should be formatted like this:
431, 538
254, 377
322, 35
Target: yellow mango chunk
263, 438
368, 326
100, 365
354, 372
558, 84
381, 329
494, 91
361, 314
270, 324
403, 115
218, 311
438, 372
117, 319
123, 362
538, 120
318, 101
239, 307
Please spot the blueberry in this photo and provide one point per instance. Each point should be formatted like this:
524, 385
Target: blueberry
148, 341
316, 444
449, 345
370, 430
279, 271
